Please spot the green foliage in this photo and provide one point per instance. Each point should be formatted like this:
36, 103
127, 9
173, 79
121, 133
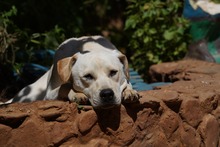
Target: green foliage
216, 1
30, 43
7, 37
48, 40
13, 41
42, 24
157, 30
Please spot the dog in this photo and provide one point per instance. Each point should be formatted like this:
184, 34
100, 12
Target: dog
89, 68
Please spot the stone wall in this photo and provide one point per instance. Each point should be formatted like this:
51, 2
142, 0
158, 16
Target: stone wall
184, 113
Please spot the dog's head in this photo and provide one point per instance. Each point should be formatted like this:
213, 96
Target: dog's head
101, 76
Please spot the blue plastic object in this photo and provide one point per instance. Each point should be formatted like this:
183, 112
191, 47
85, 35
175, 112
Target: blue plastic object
139, 84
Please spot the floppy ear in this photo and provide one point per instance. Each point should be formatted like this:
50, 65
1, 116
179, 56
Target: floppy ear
124, 61
64, 67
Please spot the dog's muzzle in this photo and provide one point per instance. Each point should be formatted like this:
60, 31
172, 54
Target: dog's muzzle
107, 96
107, 99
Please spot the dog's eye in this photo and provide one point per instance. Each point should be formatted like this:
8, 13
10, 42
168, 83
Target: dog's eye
88, 77
113, 73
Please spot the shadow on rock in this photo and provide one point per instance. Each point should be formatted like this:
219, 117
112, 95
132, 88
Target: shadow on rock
109, 118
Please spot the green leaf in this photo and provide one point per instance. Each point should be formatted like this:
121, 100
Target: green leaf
152, 31
131, 22
146, 39
35, 41
169, 35
35, 35
140, 32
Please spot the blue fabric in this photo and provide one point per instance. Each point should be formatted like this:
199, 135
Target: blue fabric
190, 13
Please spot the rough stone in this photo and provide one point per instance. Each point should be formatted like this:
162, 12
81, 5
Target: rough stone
189, 136
183, 70
191, 112
184, 113
209, 131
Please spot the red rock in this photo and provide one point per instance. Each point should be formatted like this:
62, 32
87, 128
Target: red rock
209, 101
182, 70
189, 136
185, 113
86, 121
191, 112
169, 122
209, 131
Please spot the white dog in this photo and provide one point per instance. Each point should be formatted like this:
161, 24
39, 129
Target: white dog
86, 68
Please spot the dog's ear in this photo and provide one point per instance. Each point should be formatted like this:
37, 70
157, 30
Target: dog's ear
64, 67
124, 61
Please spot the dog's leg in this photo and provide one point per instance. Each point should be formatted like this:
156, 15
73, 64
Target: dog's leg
33, 92
129, 94
52, 94
60, 93
79, 98
65, 92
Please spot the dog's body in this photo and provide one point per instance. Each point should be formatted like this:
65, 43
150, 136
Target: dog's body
84, 68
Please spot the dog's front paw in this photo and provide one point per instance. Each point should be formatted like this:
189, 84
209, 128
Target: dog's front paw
79, 98
130, 95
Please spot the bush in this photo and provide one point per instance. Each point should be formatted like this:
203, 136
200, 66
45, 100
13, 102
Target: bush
158, 32
18, 47
7, 37
44, 24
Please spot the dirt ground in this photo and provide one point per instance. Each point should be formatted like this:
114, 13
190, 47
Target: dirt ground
184, 113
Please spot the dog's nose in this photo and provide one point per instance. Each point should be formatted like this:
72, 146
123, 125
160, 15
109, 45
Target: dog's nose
107, 95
